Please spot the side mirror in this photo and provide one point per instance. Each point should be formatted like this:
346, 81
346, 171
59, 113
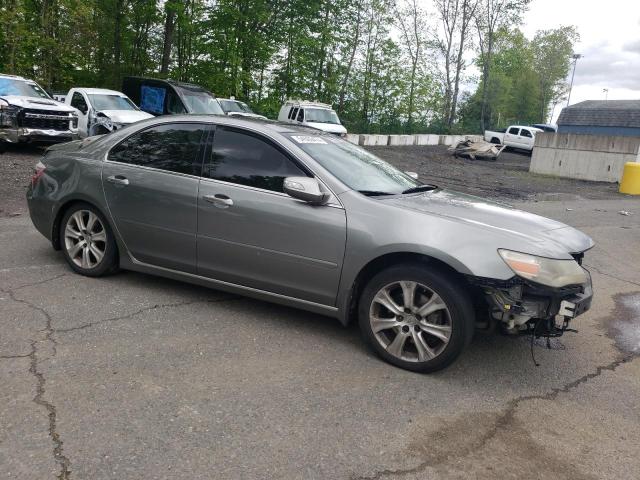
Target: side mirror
306, 189
413, 175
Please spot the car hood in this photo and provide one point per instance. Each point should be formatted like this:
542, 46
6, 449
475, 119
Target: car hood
126, 116
37, 103
328, 127
500, 218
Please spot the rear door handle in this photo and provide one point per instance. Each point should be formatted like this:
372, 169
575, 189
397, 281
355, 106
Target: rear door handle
219, 200
118, 180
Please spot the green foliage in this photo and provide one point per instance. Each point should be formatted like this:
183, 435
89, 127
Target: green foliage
526, 77
348, 53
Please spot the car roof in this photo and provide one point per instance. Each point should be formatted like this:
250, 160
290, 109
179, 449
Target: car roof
248, 122
170, 81
307, 103
15, 77
99, 91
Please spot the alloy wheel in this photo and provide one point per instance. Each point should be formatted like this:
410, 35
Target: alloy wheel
410, 321
85, 239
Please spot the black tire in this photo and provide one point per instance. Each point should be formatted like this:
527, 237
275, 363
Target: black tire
495, 140
3, 146
108, 263
459, 311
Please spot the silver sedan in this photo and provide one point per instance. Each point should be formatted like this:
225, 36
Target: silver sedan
300, 217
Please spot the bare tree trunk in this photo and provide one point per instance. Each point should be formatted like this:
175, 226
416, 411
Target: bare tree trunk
117, 47
413, 40
448, 10
347, 74
169, 28
468, 11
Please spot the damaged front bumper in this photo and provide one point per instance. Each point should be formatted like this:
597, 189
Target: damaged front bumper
37, 135
518, 305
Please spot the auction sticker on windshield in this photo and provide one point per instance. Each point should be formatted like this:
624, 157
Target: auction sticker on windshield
308, 139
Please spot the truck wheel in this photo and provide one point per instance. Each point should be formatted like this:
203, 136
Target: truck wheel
416, 318
3, 146
495, 140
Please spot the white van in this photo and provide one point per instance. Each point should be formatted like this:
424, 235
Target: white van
313, 114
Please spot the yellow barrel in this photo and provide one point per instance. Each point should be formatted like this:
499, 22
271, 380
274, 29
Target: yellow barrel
630, 182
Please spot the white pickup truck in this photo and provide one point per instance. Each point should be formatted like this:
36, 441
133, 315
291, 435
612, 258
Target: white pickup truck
102, 111
516, 136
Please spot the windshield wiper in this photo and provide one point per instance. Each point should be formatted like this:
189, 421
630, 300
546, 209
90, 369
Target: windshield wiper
420, 188
374, 193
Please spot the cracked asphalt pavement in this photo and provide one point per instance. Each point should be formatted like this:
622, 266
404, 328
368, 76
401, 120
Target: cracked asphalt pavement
134, 376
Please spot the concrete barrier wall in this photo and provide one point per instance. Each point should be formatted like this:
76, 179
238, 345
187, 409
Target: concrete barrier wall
426, 139
405, 140
395, 140
374, 140
353, 138
585, 157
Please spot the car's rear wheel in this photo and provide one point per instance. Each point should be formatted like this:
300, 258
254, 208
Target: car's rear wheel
87, 241
416, 318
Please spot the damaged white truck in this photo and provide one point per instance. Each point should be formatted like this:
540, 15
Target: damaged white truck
29, 115
101, 111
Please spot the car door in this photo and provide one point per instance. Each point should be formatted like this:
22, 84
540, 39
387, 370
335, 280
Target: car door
251, 233
512, 137
80, 102
526, 138
150, 182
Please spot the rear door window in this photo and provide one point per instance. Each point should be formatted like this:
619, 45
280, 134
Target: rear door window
249, 159
173, 147
514, 131
301, 115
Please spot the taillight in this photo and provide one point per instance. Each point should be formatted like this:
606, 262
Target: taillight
38, 172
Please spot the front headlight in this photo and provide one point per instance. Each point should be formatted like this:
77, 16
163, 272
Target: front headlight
8, 114
547, 271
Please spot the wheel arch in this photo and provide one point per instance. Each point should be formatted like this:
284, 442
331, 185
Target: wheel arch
382, 262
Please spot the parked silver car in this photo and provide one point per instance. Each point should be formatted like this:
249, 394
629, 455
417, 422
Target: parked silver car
300, 217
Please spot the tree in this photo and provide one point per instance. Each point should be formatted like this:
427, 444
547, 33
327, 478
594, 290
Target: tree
491, 16
552, 50
455, 17
413, 29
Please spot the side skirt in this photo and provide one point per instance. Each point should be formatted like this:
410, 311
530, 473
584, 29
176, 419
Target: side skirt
136, 265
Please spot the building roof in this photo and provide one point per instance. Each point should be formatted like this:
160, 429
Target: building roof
602, 113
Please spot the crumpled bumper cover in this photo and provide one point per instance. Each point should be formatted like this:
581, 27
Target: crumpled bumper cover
24, 135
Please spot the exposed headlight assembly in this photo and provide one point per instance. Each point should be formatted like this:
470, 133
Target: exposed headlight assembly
8, 114
546, 271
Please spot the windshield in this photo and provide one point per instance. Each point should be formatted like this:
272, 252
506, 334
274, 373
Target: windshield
235, 106
11, 86
200, 101
354, 166
111, 102
321, 115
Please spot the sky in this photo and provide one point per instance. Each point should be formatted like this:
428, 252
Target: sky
609, 42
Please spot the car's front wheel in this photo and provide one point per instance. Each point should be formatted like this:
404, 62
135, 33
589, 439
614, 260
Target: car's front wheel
87, 241
416, 318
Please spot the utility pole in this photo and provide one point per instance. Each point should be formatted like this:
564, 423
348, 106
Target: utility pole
606, 94
576, 57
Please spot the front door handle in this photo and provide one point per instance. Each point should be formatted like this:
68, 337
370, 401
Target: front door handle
118, 180
219, 200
